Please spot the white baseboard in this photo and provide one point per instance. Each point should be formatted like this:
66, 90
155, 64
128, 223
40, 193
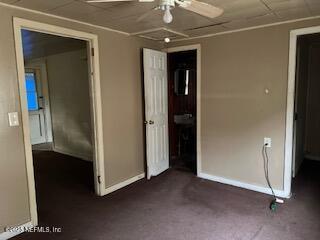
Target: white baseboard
312, 157
123, 184
278, 193
20, 229
72, 154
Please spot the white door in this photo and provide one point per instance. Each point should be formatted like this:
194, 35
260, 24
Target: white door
156, 111
35, 107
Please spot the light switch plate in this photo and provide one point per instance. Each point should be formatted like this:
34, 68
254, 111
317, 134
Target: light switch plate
13, 119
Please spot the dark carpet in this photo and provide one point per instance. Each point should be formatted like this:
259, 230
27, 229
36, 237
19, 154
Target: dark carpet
175, 205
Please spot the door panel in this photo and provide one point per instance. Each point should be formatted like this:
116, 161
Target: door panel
35, 107
156, 111
37, 127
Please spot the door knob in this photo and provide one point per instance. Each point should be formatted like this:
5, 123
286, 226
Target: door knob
151, 122
145, 122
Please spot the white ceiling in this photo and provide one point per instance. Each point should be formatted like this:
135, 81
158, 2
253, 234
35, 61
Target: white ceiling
123, 16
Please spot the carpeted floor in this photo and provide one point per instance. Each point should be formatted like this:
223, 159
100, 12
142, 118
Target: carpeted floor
175, 205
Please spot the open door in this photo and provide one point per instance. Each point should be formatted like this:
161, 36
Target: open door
156, 111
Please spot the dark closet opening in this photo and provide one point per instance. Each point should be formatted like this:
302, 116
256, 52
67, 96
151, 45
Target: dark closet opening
182, 90
307, 101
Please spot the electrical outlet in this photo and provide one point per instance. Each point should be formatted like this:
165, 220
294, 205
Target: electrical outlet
267, 142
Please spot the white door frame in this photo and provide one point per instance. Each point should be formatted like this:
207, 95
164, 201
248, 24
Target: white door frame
196, 47
289, 144
95, 92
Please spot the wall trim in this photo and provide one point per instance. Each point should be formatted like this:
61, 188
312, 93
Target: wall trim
256, 188
81, 156
289, 132
247, 29
21, 228
124, 183
196, 47
62, 18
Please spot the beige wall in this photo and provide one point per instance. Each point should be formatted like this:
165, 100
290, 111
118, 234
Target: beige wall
121, 103
70, 103
236, 114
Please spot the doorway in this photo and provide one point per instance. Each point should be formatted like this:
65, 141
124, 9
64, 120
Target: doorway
296, 109
307, 101
182, 101
91, 63
157, 122
64, 165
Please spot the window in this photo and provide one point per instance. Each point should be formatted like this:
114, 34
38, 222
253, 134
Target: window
31, 88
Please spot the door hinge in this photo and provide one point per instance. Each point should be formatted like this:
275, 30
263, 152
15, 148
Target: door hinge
296, 116
92, 52
99, 179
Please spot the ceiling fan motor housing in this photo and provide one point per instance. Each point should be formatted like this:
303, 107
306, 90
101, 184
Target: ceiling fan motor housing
164, 4
171, 3
183, 3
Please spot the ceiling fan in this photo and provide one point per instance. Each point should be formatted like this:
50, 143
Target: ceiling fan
201, 8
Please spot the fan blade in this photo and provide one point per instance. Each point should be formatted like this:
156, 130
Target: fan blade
201, 8
147, 14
